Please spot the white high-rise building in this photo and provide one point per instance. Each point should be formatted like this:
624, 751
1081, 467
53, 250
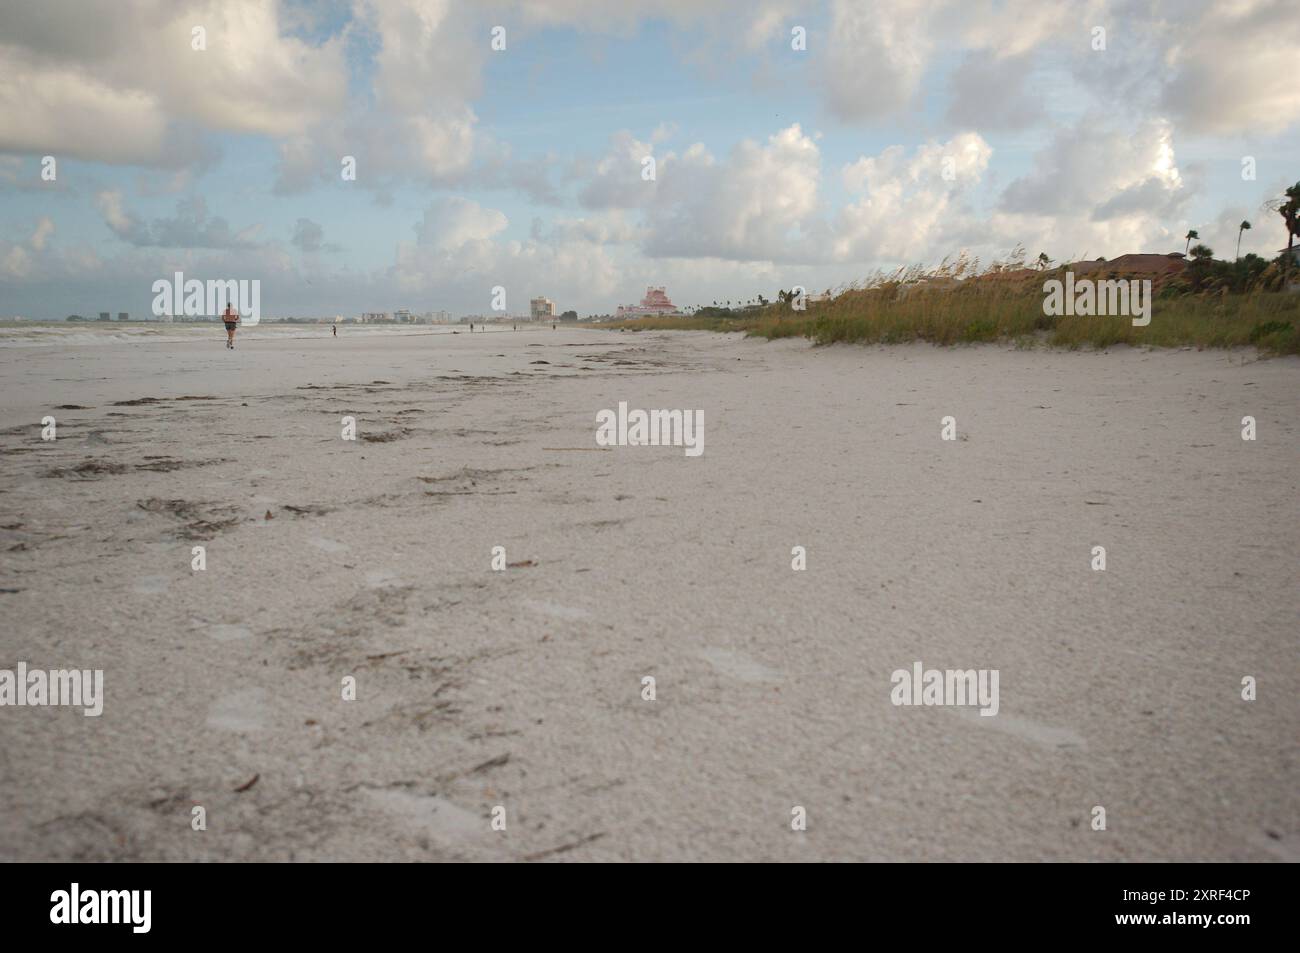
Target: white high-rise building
541, 309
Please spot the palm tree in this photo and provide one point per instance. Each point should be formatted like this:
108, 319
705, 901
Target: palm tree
1191, 233
1043, 260
1202, 253
1289, 208
1290, 211
1241, 228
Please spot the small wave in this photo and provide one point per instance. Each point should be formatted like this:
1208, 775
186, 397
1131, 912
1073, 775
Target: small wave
80, 335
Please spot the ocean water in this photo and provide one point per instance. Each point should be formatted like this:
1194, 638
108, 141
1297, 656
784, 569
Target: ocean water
75, 334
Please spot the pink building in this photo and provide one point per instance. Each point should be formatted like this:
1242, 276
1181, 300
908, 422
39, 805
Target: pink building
654, 302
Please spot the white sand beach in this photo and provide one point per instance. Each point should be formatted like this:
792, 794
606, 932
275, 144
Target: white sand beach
522, 689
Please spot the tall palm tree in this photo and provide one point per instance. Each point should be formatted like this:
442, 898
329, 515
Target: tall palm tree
1290, 212
1043, 260
1289, 208
1241, 228
1191, 233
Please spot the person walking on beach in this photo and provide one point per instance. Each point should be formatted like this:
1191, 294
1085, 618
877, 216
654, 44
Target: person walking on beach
231, 319
335, 329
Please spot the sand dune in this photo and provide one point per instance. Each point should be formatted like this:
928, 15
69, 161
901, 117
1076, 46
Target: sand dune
372, 559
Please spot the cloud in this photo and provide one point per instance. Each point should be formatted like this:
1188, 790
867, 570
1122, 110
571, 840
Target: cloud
1233, 70
1094, 163
989, 93
876, 55
617, 179
121, 222
750, 206
308, 235
190, 227
1098, 189
910, 204
452, 223
122, 82
1086, 139
44, 229
609, 228
458, 259
1261, 238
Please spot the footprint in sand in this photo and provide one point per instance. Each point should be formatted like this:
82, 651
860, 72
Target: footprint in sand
243, 711
443, 819
732, 663
555, 610
150, 585
222, 632
328, 545
1034, 731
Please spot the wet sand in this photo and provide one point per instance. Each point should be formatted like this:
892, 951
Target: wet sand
372, 559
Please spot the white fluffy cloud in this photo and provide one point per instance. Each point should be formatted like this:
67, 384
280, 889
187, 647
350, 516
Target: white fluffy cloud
1096, 189
1232, 70
753, 206
908, 203
876, 55
16, 258
1097, 171
452, 223
122, 82
617, 179
458, 258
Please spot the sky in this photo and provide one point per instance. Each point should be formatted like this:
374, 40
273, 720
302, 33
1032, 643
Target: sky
508, 144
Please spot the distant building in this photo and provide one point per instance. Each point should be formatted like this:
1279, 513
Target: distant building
403, 316
541, 309
123, 316
655, 302
105, 316
374, 317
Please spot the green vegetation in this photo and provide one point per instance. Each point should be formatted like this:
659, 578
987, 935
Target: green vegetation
1210, 304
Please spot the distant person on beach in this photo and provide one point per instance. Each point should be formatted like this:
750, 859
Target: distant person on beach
231, 319
335, 329
471, 327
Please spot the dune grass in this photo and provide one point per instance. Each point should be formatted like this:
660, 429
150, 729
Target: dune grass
1008, 306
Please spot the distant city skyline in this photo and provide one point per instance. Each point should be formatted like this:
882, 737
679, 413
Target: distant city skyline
367, 155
